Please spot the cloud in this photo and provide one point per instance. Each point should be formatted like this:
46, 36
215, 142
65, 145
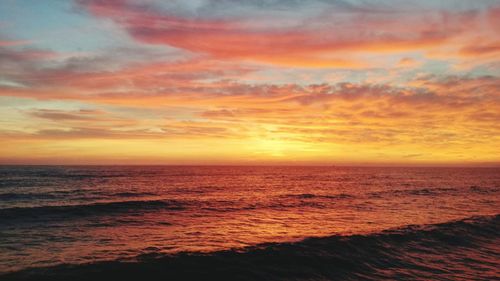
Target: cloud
6, 43
320, 40
224, 113
263, 78
59, 115
435, 117
407, 62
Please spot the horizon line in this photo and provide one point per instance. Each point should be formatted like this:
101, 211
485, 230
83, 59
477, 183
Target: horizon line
387, 165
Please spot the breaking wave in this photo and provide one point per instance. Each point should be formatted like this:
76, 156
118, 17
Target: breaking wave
465, 249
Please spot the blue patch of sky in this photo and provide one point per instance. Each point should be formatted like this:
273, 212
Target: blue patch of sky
57, 25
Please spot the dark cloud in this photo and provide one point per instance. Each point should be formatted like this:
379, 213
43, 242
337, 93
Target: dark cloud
59, 115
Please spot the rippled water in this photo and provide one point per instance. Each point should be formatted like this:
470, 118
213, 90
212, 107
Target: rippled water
55, 215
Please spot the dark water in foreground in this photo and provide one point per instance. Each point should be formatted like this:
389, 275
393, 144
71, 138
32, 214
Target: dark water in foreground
249, 223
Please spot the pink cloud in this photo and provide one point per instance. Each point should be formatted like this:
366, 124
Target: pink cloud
319, 42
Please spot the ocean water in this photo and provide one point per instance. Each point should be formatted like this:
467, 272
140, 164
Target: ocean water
249, 223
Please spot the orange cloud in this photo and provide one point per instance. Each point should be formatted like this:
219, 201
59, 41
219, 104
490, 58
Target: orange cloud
481, 49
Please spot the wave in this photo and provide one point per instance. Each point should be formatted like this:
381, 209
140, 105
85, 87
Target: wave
76, 211
310, 196
435, 191
81, 210
12, 196
484, 190
465, 249
131, 194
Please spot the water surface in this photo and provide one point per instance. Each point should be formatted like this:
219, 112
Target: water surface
54, 215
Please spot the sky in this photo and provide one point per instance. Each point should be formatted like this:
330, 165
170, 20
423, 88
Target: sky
340, 82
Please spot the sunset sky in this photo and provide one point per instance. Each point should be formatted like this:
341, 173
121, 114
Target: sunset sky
250, 82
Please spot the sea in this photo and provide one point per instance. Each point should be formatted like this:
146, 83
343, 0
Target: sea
249, 223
